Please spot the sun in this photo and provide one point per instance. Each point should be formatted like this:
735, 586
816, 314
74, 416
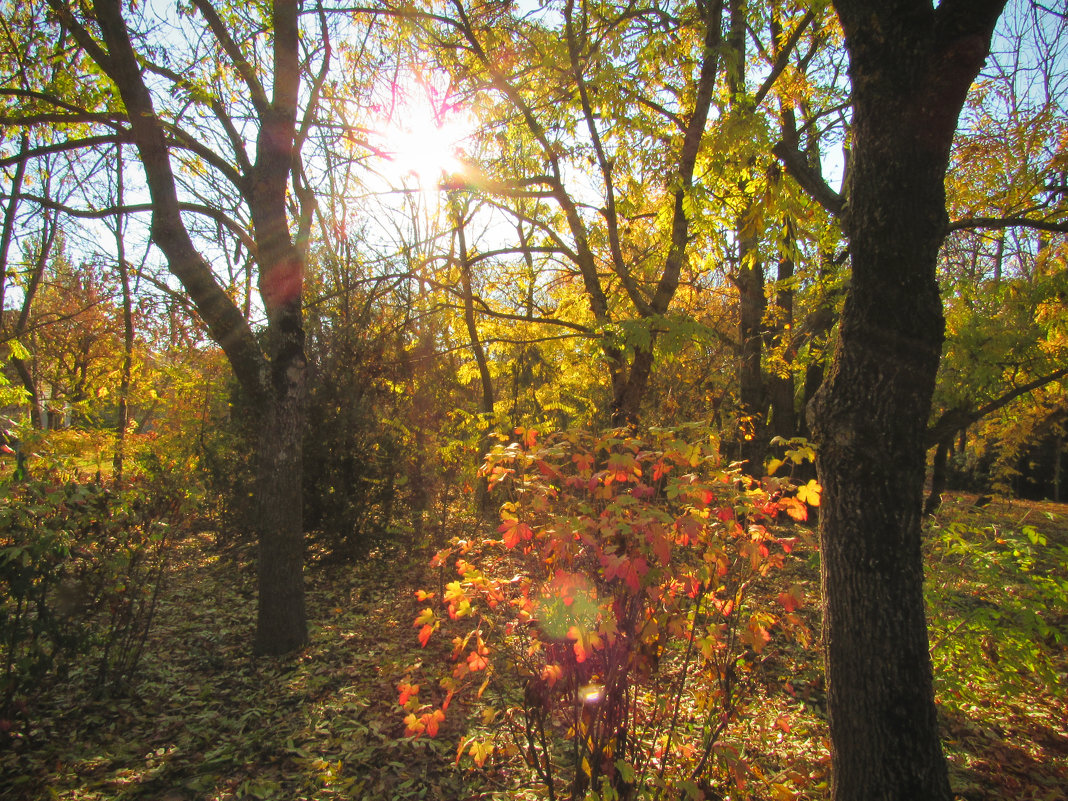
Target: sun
426, 148
422, 136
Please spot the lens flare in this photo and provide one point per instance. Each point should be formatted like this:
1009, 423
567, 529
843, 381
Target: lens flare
591, 693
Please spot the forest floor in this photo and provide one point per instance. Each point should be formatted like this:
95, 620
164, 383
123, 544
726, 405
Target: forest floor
204, 720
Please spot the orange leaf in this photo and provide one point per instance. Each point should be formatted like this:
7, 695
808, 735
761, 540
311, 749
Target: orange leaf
795, 508
551, 674
755, 636
584, 461
476, 661
792, 598
585, 642
431, 720
407, 691
424, 634
514, 532
413, 725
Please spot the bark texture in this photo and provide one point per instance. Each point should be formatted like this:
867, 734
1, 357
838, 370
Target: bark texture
910, 69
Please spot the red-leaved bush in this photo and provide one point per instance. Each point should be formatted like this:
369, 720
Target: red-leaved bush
608, 631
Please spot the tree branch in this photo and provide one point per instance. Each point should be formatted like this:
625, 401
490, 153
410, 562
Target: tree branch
140, 208
998, 223
237, 58
70, 144
809, 180
783, 58
953, 420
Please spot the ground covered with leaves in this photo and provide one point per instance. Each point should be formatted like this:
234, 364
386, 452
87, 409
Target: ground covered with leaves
204, 720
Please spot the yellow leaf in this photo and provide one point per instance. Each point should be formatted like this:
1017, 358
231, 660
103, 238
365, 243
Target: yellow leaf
810, 493
480, 752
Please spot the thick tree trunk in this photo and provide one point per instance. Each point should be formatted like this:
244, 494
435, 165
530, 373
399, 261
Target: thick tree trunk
281, 622
870, 425
273, 380
910, 68
629, 387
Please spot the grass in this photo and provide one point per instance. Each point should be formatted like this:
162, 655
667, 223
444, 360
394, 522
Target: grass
205, 720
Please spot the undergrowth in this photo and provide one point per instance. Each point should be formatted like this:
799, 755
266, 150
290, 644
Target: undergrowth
203, 720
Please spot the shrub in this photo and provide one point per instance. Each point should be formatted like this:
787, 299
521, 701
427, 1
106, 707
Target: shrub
984, 578
614, 618
81, 568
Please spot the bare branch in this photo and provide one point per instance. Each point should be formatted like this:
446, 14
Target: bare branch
998, 223
70, 144
237, 58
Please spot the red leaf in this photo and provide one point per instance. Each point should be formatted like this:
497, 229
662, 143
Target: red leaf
424, 634
585, 642
661, 546
547, 469
583, 461
514, 532
792, 598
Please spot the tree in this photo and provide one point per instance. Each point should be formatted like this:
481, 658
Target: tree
1002, 266
911, 65
174, 142
575, 84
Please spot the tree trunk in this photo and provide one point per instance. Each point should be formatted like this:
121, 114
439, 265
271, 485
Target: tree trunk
274, 381
629, 385
752, 393
281, 623
938, 477
780, 384
485, 378
8, 232
281, 619
752, 301
123, 417
39, 411
910, 68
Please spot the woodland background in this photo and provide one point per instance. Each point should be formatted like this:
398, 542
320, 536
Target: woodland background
274, 280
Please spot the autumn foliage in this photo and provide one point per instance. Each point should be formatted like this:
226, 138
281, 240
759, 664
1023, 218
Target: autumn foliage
611, 626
